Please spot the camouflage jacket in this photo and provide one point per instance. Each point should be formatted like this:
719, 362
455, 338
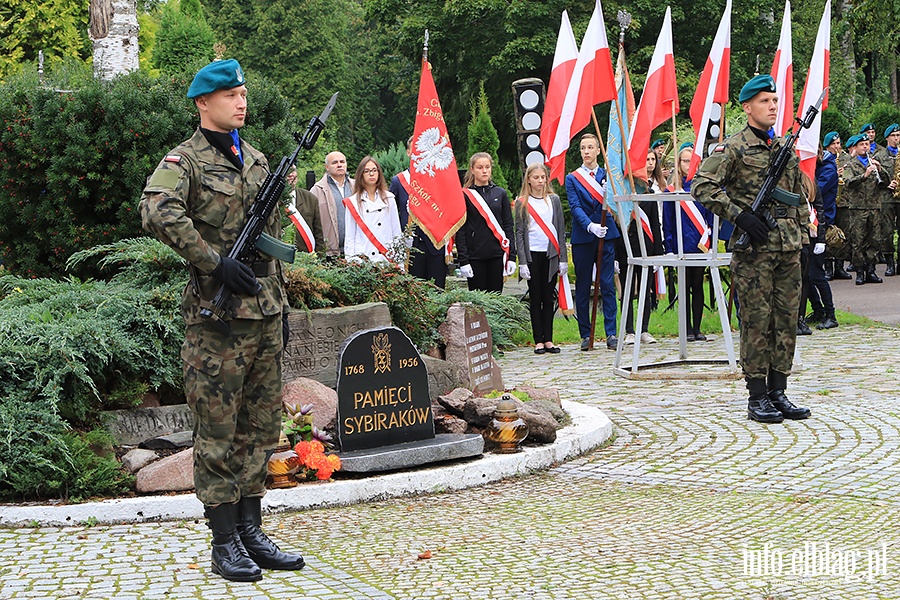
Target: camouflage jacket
728, 180
889, 164
862, 192
196, 202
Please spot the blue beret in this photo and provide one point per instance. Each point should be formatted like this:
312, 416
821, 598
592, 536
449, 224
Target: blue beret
685, 146
829, 137
657, 144
760, 83
855, 139
218, 75
867, 127
891, 129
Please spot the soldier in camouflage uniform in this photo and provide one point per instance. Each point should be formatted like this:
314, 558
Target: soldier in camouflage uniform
890, 204
864, 194
767, 276
196, 202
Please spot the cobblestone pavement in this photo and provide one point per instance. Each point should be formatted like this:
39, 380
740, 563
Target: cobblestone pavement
689, 500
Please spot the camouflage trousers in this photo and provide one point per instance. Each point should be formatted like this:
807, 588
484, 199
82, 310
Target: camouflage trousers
842, 220
890, 224
767, 285
864, 235
233, 386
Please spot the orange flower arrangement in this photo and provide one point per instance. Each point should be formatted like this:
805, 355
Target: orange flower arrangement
314, 462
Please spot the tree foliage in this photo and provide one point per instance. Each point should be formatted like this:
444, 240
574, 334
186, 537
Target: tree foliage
183, 38
483, 136
58, 27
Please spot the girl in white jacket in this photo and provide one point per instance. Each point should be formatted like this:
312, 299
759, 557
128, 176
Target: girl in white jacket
371, 219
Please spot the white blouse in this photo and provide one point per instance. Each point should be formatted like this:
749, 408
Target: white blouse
537, 239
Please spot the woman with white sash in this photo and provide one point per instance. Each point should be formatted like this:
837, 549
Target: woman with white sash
541, 248
371, 221
483, 242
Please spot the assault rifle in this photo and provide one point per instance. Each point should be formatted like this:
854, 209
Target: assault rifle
760, 206
252, 236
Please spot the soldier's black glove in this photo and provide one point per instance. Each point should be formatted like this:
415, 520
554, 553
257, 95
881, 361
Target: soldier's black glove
755, 228
285, 330
236, 276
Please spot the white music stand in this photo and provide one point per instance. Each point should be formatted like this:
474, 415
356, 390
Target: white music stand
713, 259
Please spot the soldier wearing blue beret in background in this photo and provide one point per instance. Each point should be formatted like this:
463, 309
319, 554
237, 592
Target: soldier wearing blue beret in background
890, 201
864, 180
196, 202
868, 132
767, 276
659, 146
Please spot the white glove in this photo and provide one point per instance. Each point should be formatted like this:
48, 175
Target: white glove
510, 268
466, 271
563, 268
524, 272
597, 229
616, 267
819, 248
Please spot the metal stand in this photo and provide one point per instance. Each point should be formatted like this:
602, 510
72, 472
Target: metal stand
714, 260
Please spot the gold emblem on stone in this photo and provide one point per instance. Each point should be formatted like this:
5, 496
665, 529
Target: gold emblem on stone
381, 351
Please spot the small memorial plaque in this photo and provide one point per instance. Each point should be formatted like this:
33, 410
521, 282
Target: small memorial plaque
382, 387
479, 344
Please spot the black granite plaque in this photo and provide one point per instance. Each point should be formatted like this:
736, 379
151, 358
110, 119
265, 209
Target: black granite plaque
479, 343
382, 387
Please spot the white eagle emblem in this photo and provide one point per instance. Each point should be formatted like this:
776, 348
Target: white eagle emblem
433, 152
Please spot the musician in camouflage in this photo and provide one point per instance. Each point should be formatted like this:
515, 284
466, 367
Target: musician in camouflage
767, 276
864, 194
890, 203
195, 201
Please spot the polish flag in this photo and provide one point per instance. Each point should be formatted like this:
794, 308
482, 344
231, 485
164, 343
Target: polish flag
563, 65
659, 100
783, 74
592, 82
712, 89
816, 82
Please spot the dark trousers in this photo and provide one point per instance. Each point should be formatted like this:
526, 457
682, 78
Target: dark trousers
646, 286
584, 256
541, 301
694, 300
429, 266
488, 275
819, 290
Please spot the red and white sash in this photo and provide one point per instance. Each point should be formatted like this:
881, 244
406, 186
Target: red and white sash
693, 213
302, 226
365, 228
645, 222
590, 184
484, 210
566, 305
407, 185
660, 279
813, 220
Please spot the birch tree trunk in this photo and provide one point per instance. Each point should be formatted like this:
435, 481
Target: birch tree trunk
114, 33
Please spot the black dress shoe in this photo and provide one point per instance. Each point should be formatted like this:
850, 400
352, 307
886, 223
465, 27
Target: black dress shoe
786, 407
553, 350
699, 337
691, 337
612, 342
585, 344
803, 328
540, 350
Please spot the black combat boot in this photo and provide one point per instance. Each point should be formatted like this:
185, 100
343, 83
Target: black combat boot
839, 272
860, 275
815, 316
829, 269
829, 322
229, 557
890, 270
777, 384
759, 407
871, 276
802, 327
261, 549
851, 268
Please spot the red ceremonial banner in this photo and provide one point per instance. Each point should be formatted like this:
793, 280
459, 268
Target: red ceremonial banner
436, 201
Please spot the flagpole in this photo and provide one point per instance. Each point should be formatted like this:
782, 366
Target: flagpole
678, 185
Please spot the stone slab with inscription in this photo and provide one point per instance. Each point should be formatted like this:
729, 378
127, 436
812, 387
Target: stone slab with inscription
317, 335
443, 447
382, 387
131, 427
469, 344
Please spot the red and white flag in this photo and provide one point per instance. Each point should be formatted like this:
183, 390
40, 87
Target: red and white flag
783, 74
712, 89
816, 82
436, 202
563, 65
659, 100
592, 82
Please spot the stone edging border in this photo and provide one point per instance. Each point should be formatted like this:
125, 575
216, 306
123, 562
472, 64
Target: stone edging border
590, 427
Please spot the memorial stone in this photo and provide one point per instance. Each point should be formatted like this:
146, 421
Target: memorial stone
469, 344
317, 335
131, 427
382, 387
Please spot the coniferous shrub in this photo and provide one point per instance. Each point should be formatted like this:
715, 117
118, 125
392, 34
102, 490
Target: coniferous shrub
881, 115
483, 137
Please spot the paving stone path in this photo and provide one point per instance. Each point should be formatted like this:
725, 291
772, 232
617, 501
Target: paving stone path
688, 500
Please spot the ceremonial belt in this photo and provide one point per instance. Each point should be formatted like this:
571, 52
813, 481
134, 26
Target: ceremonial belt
263, 269
565, 290
302, 226
783, 212
484, 210
365, 228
